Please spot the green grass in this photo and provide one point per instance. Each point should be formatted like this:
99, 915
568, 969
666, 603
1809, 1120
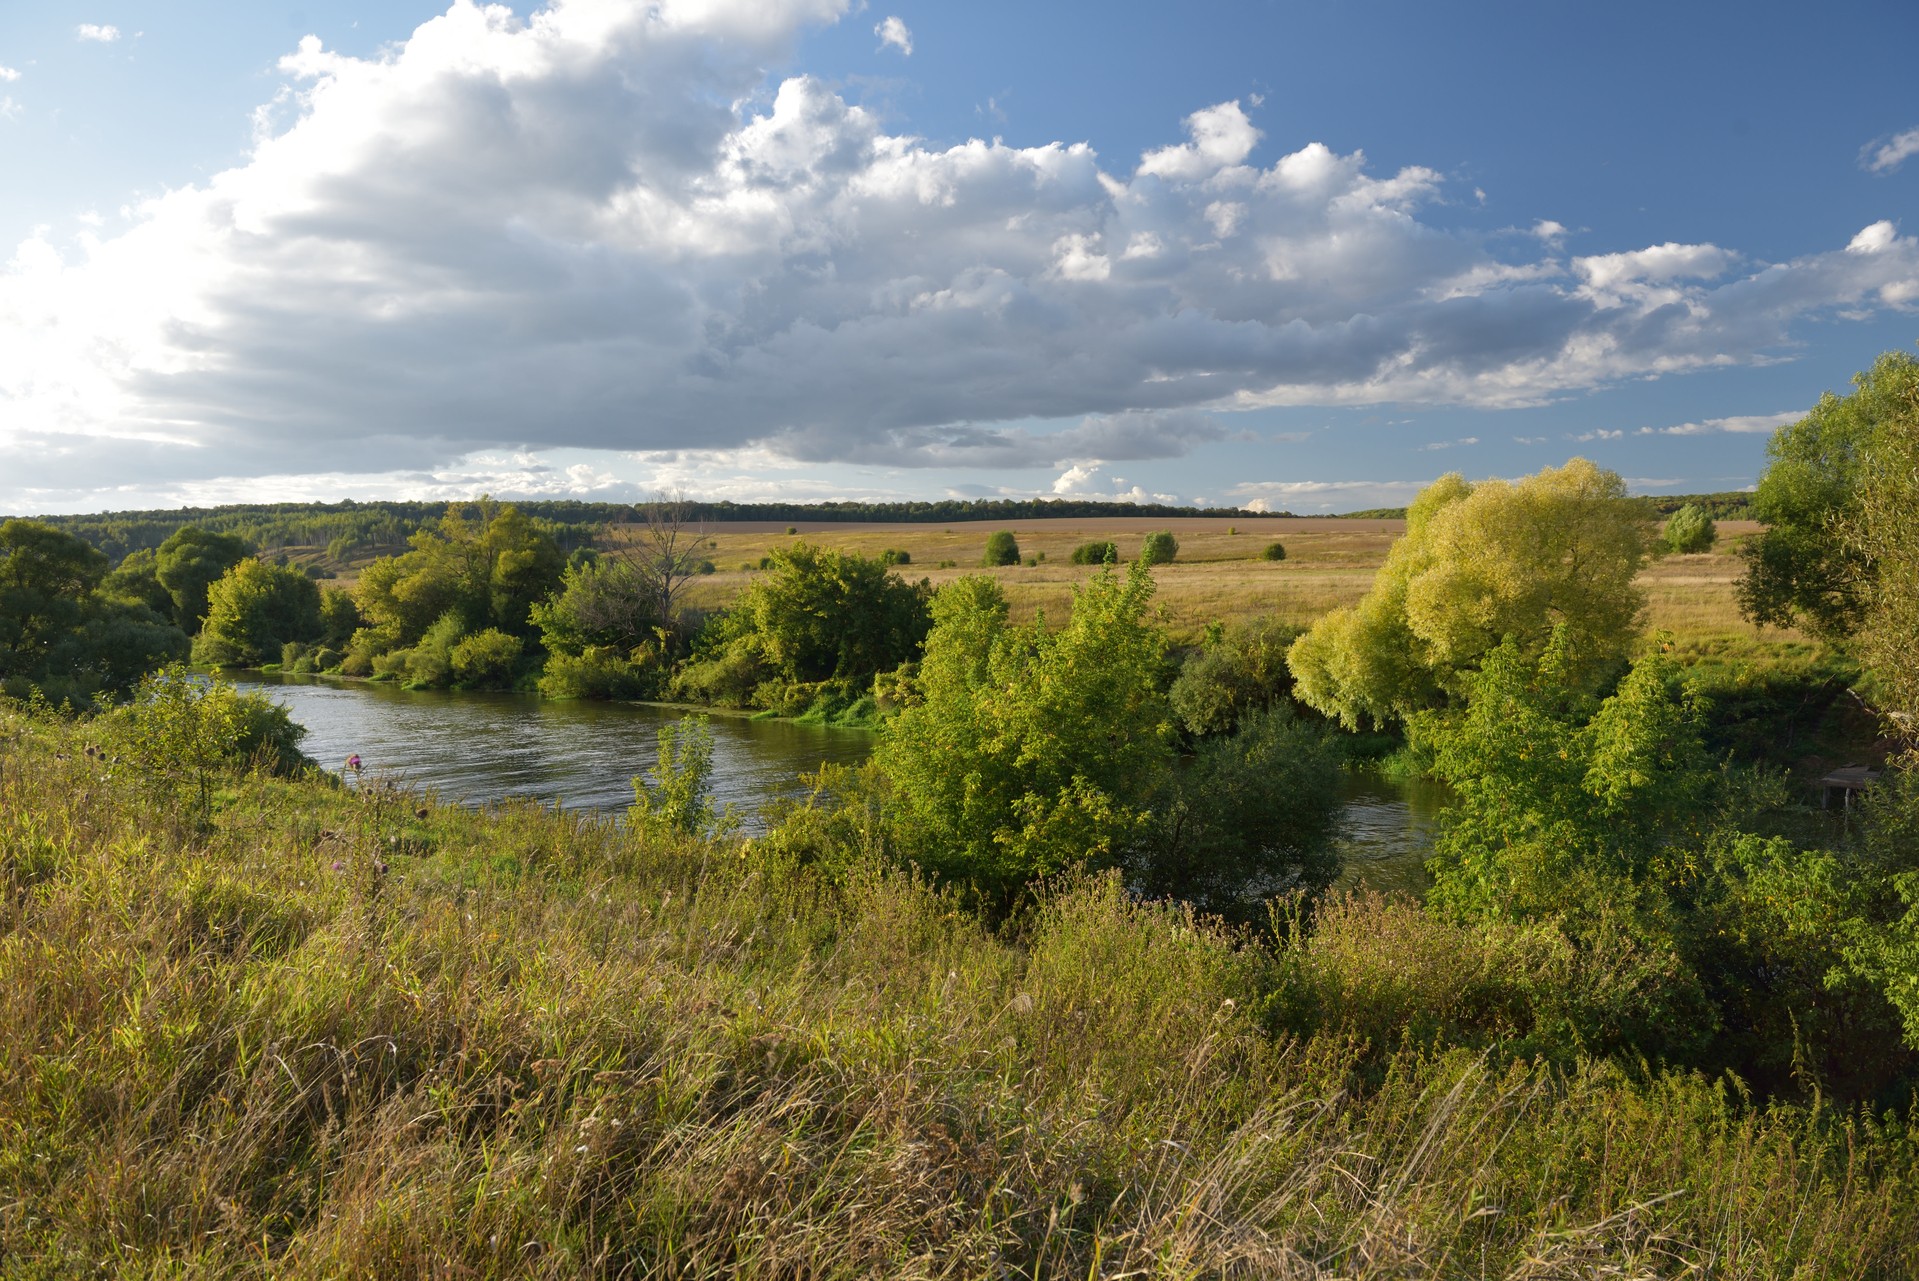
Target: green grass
337, 1034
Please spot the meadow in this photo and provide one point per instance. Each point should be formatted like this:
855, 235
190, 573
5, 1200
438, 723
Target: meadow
321, 1032
1220, 573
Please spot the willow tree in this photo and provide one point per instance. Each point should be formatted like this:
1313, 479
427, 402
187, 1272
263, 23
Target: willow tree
1479, 564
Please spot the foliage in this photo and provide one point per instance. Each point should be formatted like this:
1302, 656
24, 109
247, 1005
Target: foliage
186, 733
136, 579
603, 604
675, 796
254, 610
1252, 816
1478, 565
189, 562
1103, 552
1689, 530
601, 672
488, 567
486, 660
1605, 822
815, 616
61, 638
1031, 749
428, 664
1001, 549
1159, 548
1883, 533
1804, 569
1240, 672
1274, 551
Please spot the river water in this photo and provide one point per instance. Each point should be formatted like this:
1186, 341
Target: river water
474, 747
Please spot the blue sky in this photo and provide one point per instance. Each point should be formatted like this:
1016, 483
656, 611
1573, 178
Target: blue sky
1308, 256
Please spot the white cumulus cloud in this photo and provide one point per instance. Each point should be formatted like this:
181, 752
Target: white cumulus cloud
893, 33
597, 227
9, 74
104, 33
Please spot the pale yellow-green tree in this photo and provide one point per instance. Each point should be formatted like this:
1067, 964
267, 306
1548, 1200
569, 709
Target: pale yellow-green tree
1480, 563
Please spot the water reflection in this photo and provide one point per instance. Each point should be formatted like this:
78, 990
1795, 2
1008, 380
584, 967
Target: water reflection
474, 747
1387, 832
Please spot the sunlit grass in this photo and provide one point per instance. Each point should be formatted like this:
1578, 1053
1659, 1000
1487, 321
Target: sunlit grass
364, 1035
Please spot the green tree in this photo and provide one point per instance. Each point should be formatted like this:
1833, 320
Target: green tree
1479, 564
1253, 815
818, 614
1031, 749
1159, 548
136, 578
489, 566
189, 562
1232, 676
253, 611
1001, 549
603, 603
1809, 567
1882, 534
1690, 529
58, 635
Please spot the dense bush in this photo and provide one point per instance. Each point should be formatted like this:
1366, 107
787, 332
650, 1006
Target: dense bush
1274, 551
1159, 548
1690, 529
815, 616
601, 672
1031, 750
1241, 671
1096, 553
486, 660
1001, 549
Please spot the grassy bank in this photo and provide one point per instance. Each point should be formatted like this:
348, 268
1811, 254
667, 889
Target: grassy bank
356, 1034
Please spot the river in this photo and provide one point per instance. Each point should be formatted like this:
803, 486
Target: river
474, 747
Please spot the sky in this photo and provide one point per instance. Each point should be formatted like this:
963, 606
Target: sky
1287, 256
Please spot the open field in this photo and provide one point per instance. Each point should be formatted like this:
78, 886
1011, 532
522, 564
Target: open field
1219, 573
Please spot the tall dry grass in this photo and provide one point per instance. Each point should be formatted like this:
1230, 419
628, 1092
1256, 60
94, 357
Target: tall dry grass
341, 1034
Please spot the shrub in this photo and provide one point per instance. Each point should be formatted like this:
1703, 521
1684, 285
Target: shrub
485, 660
1001, 549
1690, 529
1253, 815
601, 672
673, 797
1274, 551
1099, 553
896, 556
1241, 672
1159, 548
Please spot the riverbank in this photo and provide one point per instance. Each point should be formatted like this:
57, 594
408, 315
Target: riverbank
338, 1034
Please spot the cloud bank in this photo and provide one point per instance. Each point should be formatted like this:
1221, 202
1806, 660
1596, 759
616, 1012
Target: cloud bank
600, 227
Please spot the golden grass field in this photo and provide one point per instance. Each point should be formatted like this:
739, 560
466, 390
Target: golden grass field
1220, 574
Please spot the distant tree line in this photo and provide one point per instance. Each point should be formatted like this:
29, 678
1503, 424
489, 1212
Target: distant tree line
345, 528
